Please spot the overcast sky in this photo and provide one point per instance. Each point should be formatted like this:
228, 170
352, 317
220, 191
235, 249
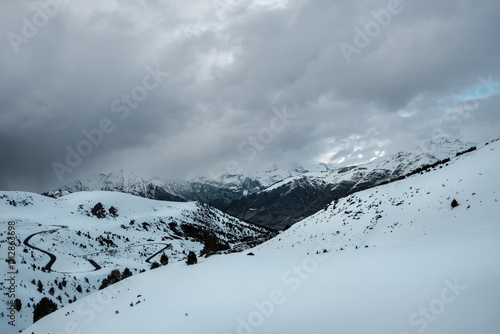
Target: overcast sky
183, 88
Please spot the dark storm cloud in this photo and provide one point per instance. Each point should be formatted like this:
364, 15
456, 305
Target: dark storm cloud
232, 66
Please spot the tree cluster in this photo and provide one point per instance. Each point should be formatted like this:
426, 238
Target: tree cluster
43, 308
114, 277
100, 212
213, 245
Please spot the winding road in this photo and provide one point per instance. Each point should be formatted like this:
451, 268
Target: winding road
53, 258
148, 260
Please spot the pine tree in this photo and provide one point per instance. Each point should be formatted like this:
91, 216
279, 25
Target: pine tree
164, 259
114, 277
18, 304
126, 273
43, 308
98, 211
191, 259
113, 212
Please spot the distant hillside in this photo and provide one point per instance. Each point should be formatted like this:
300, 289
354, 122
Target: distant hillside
298, 197
66, 247
419, 255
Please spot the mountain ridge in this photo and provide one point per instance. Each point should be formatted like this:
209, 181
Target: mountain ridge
274, 198
284, 203
400, 251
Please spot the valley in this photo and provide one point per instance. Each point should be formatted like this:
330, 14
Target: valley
406, 250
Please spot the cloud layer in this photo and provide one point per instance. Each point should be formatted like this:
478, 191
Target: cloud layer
205, 87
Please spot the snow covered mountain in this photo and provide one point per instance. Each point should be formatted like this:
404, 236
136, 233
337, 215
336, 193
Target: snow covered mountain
419, 255
295, 198
64, 248
218, 192
276, 197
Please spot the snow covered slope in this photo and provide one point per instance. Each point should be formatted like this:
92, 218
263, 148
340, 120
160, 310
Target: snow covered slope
295, 198
274, 197
397, 258
133, 233
415, 209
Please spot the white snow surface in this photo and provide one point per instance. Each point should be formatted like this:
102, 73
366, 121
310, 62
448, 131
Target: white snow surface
393, 259
405, 162
137, 184
141, 229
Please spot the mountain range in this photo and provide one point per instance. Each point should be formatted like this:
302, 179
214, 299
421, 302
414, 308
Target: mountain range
275, 198
418, 254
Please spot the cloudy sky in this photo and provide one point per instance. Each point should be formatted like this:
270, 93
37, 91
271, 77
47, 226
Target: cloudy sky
183, 88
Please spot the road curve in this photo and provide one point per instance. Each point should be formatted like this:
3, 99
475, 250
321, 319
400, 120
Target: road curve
53, 258
148, 260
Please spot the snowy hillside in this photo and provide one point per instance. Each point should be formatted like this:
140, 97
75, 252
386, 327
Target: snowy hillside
388, 166
398, 258
132, 233
406, 211
274, 197
295, 198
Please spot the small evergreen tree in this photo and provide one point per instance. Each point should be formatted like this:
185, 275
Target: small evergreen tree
43, 308
51, 291
18, 304
126, 273
98, 211
113, 212
164, 259
104, 284
40, 286
191, 259
114, 276
155, 265
454, 203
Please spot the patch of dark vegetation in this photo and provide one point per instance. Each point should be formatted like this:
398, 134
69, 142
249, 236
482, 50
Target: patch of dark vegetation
472, 149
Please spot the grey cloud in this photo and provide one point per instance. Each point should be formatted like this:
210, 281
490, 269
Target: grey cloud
230, 64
